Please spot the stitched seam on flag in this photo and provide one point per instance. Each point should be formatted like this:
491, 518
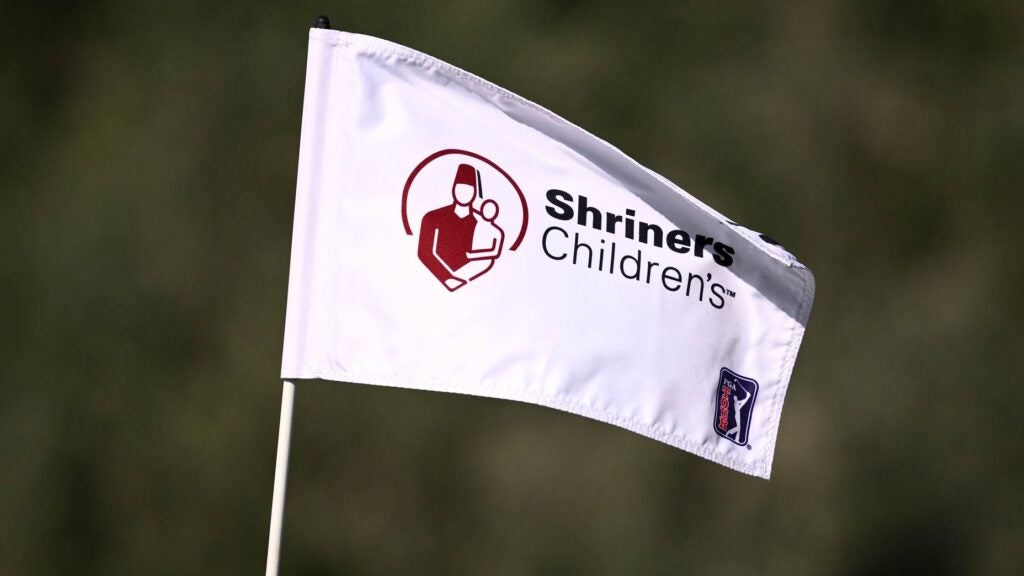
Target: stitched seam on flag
317, 166
786, 369
509, 392
329, 137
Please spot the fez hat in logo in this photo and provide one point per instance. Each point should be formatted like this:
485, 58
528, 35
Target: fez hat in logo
466, 174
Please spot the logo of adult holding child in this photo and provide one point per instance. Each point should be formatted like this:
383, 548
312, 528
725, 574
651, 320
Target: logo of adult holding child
469, 210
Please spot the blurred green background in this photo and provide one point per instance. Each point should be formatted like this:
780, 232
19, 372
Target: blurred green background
147, 181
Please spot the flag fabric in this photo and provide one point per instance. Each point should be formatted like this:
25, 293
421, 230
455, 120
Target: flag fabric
452, 236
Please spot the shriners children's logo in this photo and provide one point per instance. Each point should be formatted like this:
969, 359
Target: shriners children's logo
734, 406
466, 212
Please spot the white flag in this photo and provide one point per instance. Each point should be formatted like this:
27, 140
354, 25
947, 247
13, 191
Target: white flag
452, 236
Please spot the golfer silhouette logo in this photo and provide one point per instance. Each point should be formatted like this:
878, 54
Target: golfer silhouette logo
462, 231
734, 406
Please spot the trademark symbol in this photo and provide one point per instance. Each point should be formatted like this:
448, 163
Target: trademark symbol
749, 447
730, 293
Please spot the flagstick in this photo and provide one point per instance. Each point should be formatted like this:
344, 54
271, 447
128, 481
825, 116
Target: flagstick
284, 436
280, 477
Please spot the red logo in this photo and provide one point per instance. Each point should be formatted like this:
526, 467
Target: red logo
469, 212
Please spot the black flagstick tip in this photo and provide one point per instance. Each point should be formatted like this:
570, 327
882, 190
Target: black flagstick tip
322, 22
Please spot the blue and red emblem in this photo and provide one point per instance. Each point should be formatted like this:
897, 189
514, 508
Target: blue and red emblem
734, 406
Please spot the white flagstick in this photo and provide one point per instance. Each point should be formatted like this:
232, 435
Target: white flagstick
283, 443
280, 478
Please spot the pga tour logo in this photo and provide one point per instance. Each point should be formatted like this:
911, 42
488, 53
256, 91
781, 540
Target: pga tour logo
466, 212
734, 406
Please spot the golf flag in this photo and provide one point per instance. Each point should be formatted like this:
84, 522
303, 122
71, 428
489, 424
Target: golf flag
452, 236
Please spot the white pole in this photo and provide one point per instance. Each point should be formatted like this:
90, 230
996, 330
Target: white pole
280, 477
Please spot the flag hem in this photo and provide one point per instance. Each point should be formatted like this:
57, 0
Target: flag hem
788, 363
505, 392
